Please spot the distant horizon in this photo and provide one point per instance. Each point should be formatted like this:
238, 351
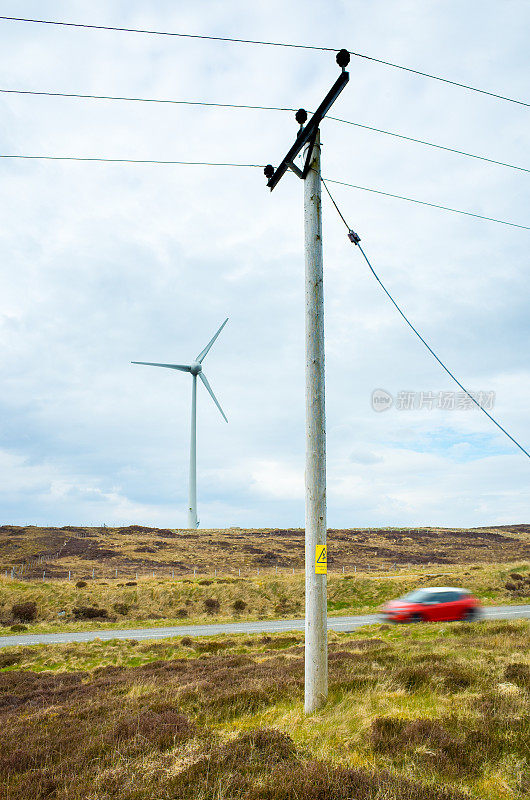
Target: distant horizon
269, 527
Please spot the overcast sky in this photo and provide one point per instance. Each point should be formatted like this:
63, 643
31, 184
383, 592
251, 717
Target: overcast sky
102, 264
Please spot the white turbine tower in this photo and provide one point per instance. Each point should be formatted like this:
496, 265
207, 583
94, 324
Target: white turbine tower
195, 368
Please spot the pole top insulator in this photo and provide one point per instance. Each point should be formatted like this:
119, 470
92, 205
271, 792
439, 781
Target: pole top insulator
269, 171
301, 116
343, 58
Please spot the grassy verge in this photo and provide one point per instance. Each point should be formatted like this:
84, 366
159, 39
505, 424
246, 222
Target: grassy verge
427, 712
65, 606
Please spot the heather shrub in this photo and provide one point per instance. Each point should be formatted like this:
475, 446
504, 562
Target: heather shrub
80, 584
25, 612
440, 747
414, 676
519, 674
90, 612
9, 659
239, 605
212, 605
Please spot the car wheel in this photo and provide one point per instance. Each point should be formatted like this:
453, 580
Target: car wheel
416, 618
470, 615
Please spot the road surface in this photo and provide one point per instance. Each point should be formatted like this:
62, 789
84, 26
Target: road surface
339, 624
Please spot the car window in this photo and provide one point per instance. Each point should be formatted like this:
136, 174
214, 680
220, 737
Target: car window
449, 597
417, 596
435, 597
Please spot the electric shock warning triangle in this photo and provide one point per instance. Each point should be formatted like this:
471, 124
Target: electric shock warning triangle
321, 560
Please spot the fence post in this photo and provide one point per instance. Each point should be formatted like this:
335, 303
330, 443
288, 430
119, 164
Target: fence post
43, 574
194, 570
69, 573
173, 574
116, 573
239, 572
343, 570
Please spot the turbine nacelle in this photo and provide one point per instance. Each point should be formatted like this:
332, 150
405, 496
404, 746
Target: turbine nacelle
195, 368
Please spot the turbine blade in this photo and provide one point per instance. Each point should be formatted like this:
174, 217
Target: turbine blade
180, 367
202, 376
204, 352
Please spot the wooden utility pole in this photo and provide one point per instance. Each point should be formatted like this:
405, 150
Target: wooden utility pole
316, 629
316, 649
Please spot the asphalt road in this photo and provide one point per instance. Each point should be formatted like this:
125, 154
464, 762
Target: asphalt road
340, 624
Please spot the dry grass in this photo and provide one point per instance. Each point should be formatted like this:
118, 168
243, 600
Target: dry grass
62, 605
430, 712
140, 549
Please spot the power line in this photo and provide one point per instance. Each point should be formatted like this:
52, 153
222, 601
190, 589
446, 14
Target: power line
432, 205
356, 240
430, 144
268, 44
100, 159
144, 100
79, 96
131, 161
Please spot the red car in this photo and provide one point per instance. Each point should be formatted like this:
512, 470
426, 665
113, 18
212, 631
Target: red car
437, 603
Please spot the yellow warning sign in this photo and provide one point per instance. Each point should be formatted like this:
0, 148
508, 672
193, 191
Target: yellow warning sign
321, 560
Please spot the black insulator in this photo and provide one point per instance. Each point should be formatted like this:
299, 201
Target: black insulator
343, 58
269, 171
301, 116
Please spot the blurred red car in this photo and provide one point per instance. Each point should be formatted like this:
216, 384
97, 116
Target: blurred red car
433, 604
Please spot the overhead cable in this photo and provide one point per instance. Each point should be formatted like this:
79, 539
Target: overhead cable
355, 239
132, 161
432, 205
237, 40
99, 159
244, 106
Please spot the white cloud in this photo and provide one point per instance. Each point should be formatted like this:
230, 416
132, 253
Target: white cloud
102, 264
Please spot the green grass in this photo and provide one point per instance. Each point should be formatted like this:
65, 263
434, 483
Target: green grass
166, 602
426, 712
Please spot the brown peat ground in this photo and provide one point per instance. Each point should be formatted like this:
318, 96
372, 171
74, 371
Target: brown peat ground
136, 549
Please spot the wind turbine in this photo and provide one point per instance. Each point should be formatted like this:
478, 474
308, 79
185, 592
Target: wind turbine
195, 368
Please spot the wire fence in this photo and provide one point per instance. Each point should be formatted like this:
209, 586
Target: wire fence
30, 571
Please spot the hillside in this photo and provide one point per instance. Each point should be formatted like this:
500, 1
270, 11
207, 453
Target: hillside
137, 549
143, 549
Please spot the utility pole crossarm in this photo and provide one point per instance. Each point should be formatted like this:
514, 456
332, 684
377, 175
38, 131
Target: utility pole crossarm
307, 134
